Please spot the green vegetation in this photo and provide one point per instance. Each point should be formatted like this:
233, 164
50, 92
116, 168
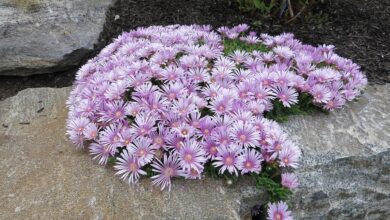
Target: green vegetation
231, 45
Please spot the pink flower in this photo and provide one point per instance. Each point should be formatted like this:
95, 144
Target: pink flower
249, 161
192, 156
170, 167
102, 152
279, 211
289, 155
128, 167
320, 93
141, 148
244, 134
287, 95
227, 159
289, 180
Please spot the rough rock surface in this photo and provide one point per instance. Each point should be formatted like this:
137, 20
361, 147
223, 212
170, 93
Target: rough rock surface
43, 177
52, 35
345, 172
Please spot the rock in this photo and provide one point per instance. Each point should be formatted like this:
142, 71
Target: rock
43, 177
345, 172
44, 36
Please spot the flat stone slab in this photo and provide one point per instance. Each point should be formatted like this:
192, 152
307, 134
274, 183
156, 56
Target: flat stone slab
345, 172
43, 177
50, 35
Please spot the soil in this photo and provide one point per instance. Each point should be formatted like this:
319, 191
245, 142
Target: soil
358, 28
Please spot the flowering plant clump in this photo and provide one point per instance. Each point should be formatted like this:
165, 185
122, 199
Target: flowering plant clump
181, 101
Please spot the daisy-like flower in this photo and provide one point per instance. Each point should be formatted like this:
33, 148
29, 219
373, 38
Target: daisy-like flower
114, 111
211, 91
324, 75
283, 52
102, 152
144, 124
244, 134
191, 156
133, 108
334, 103
278, 211
161, 136
184, 106
77, 140
249, 161
172, 73
289, 180
141, 149
110, 135
176, 142
184, 130
206, 126
227, 159
128, 167
242, 75
193, 119
91, 131
166, 169
87, 108
221, 104
261, 93
173, 91
239, 56
320, 93
284, 78
287, 95
221, 136
155, 103
256, 107
116, 90
243, 116
77, 125
210, 148
145, 90
127, 135
289, 155
198, 75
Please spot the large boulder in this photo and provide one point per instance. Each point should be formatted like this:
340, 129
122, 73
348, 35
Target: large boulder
43, 177
345, 172
43, 36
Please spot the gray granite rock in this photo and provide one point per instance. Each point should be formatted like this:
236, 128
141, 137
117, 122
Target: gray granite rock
344, 174
43, 36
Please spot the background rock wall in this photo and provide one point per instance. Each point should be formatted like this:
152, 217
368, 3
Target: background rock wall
44, 36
